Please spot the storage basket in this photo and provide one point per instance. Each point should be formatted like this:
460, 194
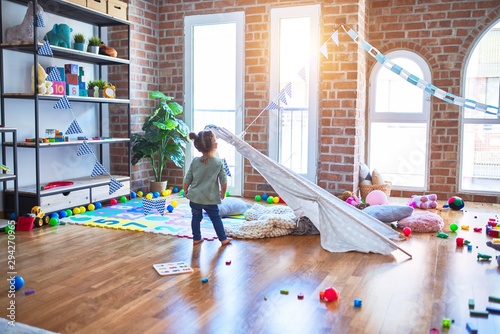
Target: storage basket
365, 189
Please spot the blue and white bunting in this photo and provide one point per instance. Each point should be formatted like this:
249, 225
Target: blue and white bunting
272, 106
39, 20
149, 205
54, 75
335, 37
45, 49
302, 74
114, 185
84, 149
226, 167
98, 169
324, 50
282, 97
74, 128
63, 103
288, 89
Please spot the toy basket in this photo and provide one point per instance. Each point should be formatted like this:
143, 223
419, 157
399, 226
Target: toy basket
365, 189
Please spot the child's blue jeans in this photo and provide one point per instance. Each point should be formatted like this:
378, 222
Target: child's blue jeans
213, 212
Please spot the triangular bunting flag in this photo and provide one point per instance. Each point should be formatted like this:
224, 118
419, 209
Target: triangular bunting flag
335, 37
54, 75
272, 106
282, 97
84, 149
324, 50
63, 103
39, 20
115, 185
98, 169
157, 203
45, 49
288, 89
74, 128
226, 167
302, 74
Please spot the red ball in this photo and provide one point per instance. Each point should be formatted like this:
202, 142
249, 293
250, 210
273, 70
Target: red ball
331, 294
407, 231
113, 201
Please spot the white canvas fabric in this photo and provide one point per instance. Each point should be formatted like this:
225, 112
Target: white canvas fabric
342, 227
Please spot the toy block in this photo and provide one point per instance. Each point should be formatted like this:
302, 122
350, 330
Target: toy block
72, 79
83, 92
494, 299
25, 223
82, 85
59, 87
60, 69
479, 313
493, 310
471, 328
73, 90
71, 69
471, 304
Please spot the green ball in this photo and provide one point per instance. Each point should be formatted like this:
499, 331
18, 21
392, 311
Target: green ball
69, 213
9, 228
453, 227
270, 200
123, 199
53, 221
257, 198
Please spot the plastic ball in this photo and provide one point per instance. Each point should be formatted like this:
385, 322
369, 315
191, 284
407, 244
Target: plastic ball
53, 221
13, 216
276, 200
91, 207
133, 195
228, 193
149, 196
113, 201
164, 193
257, 198
376, 197
170, 208
140, 193
156, 194
264, 197
9, 228
270, 200
76, 211
181, 192
98, 205
331, 294
456, 203
175, 190
82, 209
407, 231
453, 227
169, 192
174, 204
69, 213
54, 215
123, 199
63, 214
18, 282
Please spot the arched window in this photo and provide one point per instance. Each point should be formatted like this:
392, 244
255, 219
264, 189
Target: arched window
398, 122
480, 158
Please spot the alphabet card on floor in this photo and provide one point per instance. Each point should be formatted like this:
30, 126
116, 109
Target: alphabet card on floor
172, 268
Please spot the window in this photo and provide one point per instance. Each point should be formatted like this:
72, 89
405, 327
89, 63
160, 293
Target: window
398, 122
480, 158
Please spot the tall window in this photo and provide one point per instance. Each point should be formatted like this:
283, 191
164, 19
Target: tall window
480, 158
398, 122
294, 60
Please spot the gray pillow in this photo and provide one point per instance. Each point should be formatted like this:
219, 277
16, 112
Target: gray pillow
389, 213
231, 206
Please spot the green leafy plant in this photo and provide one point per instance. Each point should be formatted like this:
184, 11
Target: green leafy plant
99, 83
94, 41
164, 136
79, 38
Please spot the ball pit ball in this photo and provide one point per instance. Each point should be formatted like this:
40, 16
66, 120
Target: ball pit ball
170, 208
9, 228
91, 207
13, 216
82, 209
140, 193
257, 198
149, 196
175, 203
69, 213
98, 205
376, 197
156, 194
133, 195
164, 193
18, 282
264, 197
76, 211
228, 193
270, 200
53, 221
331, 294
453, 227
54, 215
181, 192
456, 203
407, 231
175, 190
169, 192
113, 201
276, 200
63, 214
123, 199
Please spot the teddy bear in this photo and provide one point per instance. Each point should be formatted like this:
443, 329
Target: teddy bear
44, 87
423, 202
60, 35
23, 32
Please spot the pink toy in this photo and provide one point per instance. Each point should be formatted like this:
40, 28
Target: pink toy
423, 202
353, 201
376, 197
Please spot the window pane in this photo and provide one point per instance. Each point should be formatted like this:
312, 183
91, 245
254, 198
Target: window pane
398, 151
481, 157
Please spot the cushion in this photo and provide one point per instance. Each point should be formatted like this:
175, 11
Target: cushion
364, 173
422, 221
377, 178
389, 213
231, 206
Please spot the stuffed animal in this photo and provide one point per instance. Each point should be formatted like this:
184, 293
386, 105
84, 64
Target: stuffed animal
423, 202
60, 35
23, 32
44, 87
107, 50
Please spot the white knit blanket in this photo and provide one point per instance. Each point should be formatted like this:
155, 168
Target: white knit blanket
264, 222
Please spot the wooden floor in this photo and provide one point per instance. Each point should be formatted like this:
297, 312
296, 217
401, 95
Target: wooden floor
92, 280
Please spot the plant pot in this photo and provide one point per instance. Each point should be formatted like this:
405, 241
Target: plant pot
157, 186
94, 93
79, 46
93, 49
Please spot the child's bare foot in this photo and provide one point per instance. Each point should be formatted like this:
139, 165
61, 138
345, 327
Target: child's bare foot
197, 242
227, 241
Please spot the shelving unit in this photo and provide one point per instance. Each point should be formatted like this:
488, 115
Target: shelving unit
10, 176
85, 189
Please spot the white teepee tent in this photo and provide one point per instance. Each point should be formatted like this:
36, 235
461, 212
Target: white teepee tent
342, 227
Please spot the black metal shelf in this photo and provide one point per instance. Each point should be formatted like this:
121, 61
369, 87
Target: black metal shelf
29, 96
70, 143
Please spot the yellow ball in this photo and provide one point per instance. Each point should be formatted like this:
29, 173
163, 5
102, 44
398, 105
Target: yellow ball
276, 199
149, 196
91, 207
169, 192
174, 204
140, 193
82, 209
76, 211
164, 193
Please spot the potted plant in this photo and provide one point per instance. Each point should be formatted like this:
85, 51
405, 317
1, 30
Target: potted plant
94, 44
79, 39
163, 139
95, 87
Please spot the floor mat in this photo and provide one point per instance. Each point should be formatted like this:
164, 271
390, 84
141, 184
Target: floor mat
130, 216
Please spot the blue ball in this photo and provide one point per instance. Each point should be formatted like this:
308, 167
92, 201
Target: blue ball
63, 214
18, 282
264, 197
13, 216
133, 195
170, 208
98, 205
175, 190
54, 215
156, 194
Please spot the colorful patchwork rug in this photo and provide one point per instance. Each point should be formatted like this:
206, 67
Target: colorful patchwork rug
130, 216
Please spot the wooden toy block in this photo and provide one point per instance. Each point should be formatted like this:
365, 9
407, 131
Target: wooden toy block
59, 87
73, 90
72, 79
71, 69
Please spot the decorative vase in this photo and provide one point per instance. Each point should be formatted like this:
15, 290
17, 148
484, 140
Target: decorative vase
79, 46
93, 49
157, 186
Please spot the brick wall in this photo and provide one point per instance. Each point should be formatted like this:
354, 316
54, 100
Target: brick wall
441, 31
